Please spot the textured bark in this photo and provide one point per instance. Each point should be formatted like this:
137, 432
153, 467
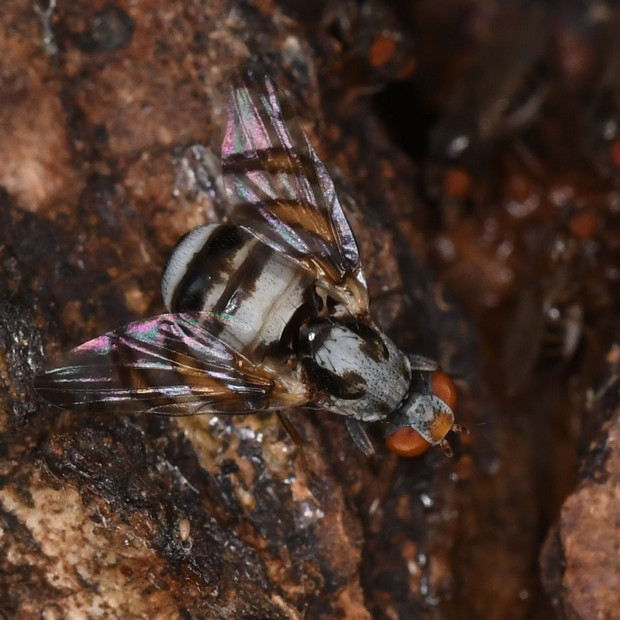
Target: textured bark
109, 118
580, 557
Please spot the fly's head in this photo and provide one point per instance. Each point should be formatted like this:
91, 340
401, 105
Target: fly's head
425, 416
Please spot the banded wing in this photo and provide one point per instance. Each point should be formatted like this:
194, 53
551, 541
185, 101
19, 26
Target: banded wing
170, 365
281, 191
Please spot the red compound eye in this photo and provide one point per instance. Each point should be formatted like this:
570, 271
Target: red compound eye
443, 387
407, 442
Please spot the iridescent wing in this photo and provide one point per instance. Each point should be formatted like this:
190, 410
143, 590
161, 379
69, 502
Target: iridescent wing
173, 364
281, 191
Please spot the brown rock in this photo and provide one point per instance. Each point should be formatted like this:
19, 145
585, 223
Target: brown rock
111, 113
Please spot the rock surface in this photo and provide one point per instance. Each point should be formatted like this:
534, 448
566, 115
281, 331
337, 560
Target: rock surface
475, 153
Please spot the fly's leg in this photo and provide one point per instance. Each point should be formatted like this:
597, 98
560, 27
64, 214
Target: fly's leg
290, 429
359, 436
297, 439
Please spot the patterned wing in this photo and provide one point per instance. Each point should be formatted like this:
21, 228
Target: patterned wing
170, 365
282, 192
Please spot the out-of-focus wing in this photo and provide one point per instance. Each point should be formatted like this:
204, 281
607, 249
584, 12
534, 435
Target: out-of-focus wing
281, 191
172, 364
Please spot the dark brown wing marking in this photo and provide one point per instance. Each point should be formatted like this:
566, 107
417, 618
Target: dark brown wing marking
170, 365
282, 192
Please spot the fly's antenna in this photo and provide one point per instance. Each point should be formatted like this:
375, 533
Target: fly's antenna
446, 448
459, 428
444, 444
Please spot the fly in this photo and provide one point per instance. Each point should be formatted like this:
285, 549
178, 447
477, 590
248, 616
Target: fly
267, 311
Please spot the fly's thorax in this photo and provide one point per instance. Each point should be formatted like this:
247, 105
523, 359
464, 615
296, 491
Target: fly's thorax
357, 368
248, 290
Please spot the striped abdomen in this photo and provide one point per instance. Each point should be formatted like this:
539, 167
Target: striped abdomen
253, 291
